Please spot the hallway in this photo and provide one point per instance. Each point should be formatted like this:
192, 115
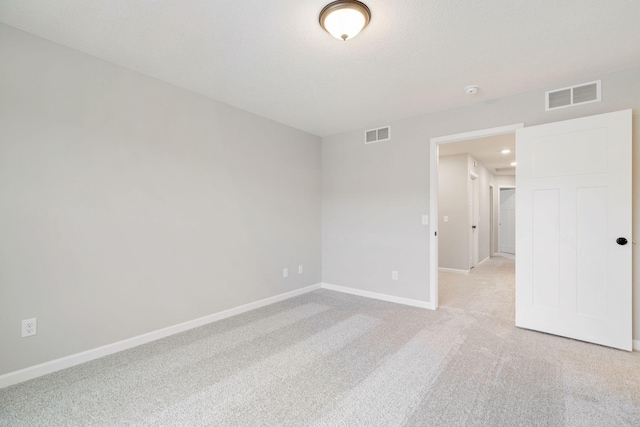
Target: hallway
488, 289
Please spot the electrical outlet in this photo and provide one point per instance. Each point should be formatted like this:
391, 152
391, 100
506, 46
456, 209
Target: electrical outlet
29, 327
394, 275
300, 269
285, 272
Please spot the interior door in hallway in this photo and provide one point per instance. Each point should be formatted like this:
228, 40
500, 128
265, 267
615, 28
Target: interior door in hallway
507, 224
573, 229
473, 220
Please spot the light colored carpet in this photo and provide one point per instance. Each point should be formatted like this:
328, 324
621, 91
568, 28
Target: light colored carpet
327, 358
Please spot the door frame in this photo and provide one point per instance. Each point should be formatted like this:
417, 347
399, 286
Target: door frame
433, 195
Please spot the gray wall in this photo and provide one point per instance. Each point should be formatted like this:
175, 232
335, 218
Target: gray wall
129, 205
373, 195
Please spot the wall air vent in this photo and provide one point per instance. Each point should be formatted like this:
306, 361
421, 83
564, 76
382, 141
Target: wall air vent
573, 95
375, 135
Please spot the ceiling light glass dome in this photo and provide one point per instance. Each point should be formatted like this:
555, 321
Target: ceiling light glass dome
345, 19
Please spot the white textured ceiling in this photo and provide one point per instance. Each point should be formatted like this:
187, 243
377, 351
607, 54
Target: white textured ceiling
273, 59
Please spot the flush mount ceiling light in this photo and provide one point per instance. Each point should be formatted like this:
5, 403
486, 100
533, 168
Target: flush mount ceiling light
345, 19
506, 151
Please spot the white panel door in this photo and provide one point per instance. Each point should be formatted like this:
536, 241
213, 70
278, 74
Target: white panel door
507, 227
573, 202
473, 220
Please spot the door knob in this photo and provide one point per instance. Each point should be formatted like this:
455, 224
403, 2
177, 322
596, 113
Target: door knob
621, 241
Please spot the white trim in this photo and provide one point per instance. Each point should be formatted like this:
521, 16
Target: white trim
35, 371
483, 133
636, 345
452, 270
375, 295
483, 261
433, 194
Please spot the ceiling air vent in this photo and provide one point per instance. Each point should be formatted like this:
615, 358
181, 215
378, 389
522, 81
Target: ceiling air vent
375, 135
573, 95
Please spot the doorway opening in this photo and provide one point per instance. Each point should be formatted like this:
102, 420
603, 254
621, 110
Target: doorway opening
476, 228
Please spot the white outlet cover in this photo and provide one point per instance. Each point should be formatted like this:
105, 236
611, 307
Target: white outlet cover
285, 273
394, 275
446, 218
29, 327
300, 269
425, 219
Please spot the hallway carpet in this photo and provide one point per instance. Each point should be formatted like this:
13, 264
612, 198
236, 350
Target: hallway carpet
327, 358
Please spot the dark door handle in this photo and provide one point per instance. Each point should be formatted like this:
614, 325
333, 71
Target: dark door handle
621, 241
473, 226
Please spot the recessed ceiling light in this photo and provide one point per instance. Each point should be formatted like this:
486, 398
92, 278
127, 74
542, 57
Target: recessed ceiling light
513, 163
345, 19
506, 151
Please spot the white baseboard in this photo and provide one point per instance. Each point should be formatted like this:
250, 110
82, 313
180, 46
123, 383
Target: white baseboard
636, 345
483, 261
452, 270
375, 295
35, 371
